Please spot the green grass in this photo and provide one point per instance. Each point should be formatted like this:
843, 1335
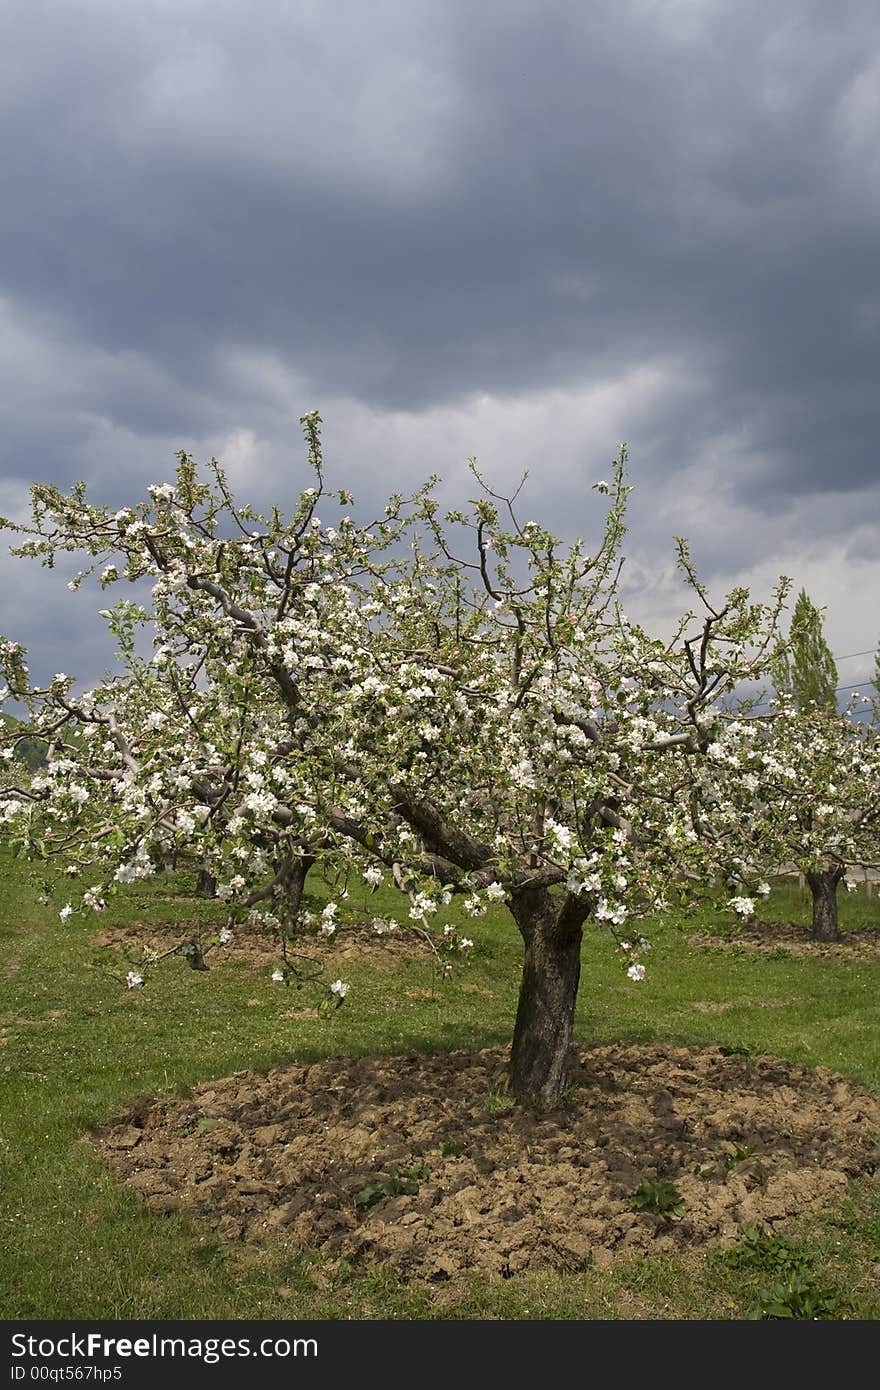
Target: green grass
75, 1048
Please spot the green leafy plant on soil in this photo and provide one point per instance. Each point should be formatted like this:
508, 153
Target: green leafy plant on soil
450, 1148
404, 1182
199, 1126
661, 1197
740, 1153
496, 1102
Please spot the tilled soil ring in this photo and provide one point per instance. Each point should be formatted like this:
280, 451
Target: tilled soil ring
765, 937
322, 1156
145, 942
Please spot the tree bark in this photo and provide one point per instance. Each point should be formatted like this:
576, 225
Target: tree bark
823, 886
295, 874
206, 884
551, 928
194, 958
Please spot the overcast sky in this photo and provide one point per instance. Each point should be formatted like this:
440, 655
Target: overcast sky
525, 230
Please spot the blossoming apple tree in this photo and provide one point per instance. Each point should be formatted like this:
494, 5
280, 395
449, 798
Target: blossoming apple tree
455, 701
795, 785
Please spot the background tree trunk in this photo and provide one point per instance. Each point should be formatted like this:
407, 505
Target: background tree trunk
206, 884
823, 886
551, 928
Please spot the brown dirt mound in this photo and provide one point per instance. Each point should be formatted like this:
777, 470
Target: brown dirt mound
764, 937
282, 1158
146, 941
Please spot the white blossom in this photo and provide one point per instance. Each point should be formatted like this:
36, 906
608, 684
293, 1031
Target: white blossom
744, 906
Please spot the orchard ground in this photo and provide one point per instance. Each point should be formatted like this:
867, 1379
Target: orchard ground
213, 1145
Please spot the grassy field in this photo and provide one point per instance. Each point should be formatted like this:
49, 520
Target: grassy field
75, 1047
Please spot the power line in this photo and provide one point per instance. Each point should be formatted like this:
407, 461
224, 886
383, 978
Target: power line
840, 689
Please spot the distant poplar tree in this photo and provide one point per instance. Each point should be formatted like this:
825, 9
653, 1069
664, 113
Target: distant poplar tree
806, 671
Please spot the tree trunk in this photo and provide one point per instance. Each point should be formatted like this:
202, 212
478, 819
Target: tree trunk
295, 874
206, 884
194, 958
551, 928
823, 886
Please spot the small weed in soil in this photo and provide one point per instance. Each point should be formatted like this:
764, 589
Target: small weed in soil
198, 1126
496, 1102
662, 1197
402, 1183
450, 1148
740, 1153
757, 1173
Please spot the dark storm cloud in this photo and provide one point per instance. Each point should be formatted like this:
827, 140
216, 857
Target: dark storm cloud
402, 208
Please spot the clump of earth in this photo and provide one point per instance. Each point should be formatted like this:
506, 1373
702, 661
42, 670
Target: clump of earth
795, 940
420, 1161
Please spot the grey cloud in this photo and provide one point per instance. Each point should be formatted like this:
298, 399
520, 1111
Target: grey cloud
216, 217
